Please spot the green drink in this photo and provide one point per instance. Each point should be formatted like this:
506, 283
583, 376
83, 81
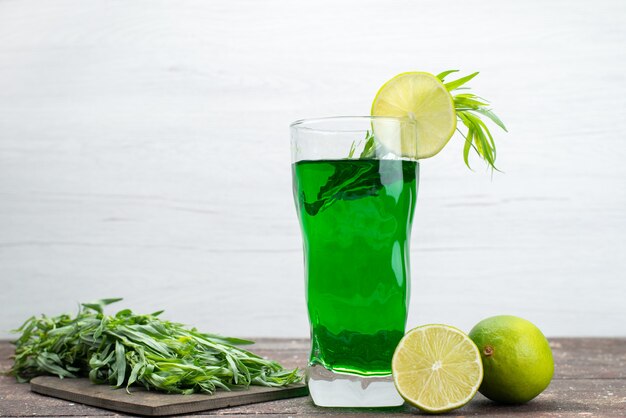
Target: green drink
356, 222
355, 199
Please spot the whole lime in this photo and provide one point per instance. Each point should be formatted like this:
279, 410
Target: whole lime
516, 356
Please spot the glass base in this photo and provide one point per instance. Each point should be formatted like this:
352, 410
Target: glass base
335, 389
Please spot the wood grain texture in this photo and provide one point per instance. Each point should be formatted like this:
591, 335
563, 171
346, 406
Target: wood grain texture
144, 154
589, 380
143, 402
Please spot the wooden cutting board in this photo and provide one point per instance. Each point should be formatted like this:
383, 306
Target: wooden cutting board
142, 402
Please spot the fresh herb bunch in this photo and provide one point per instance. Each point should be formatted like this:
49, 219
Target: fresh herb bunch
127, 349
469, 108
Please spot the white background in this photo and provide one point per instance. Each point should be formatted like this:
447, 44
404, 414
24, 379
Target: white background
144, 153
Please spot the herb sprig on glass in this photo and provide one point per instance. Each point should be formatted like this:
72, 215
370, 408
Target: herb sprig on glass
435, 106
127, 349
369, 149
469, 108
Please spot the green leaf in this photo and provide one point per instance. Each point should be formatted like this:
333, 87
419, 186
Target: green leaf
49, 364
369, 150
120, 363
441, 76
99, 305
133, 374
492, 116
469, 109
470, 103
352, 149
458, 83
468, 145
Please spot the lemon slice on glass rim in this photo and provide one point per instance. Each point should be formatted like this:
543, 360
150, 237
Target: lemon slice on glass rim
422, 97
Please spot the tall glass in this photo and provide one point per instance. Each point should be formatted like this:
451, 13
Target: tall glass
355, 196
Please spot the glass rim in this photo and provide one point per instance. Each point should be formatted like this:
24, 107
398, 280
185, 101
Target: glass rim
305, 123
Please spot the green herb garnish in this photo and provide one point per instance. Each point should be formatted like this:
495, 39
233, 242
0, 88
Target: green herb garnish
469, 108
127, 349
369, 150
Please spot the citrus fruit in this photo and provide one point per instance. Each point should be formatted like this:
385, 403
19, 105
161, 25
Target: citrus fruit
516, 358
436, 368
422, 97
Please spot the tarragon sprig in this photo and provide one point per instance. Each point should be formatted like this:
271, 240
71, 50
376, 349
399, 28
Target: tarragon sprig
126, 349
369, 149
469, 109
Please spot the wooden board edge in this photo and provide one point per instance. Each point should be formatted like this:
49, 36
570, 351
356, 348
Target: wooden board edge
243, 398
121, 406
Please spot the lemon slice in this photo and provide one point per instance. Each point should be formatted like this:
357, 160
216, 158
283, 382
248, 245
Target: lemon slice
422, 97
437, 368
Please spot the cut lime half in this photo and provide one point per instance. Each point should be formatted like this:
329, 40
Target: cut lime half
437, 368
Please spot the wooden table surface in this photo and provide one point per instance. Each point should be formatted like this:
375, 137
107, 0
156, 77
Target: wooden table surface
589, 381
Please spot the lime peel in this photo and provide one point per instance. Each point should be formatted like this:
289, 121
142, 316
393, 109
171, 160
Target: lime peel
517, 359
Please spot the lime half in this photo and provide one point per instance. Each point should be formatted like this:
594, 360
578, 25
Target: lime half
423, 97
437, 368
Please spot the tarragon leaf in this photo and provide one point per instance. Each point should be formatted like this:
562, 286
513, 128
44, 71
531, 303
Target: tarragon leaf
469, 107
442, 76
453, 85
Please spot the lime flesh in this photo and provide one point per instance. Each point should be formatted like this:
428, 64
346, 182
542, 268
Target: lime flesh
437, 368
422, 97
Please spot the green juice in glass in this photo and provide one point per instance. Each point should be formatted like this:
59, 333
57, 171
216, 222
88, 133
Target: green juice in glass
356, 218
